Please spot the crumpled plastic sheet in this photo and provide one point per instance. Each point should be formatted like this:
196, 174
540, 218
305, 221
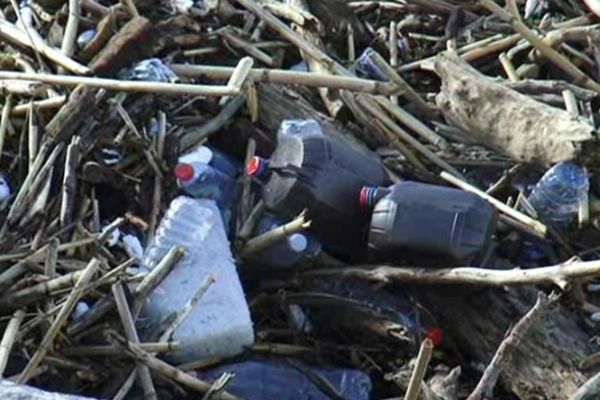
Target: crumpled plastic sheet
12, 391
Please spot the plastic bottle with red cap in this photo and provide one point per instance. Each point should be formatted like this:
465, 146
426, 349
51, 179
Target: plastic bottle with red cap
414, 218
322, 174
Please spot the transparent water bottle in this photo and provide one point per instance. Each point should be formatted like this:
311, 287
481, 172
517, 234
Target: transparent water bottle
218, 324
558, 196
365, 67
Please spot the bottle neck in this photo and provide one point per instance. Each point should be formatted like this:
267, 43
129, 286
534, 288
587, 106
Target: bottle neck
370, 195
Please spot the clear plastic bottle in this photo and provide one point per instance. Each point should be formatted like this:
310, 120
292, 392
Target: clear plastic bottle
258, 380
219, 324
558, 196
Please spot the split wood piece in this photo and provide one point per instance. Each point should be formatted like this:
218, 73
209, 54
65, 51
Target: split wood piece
525, 129
123, 85
131, 334
476, 321
560, 275
66, 310
131, 43
500, 206
503, 358
104, 31
416, 379
15, 35
109, 350
248, 47
69, 186
238, 77
538, 42
285, 77
8, 339
275, 235
172, 372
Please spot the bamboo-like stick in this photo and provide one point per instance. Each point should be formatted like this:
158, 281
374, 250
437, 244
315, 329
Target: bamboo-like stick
110, 350
245, 181
414, 385
500, 206
273, 236
131, 334
42, 105
509, 69
8, 339
238, 76
285, 77
70, 35
393, 48
5, 121
33, 135
249, 48
126, 386
13, 34
378, 114
62, 316
162, 269
131, 8
174, 373
251, 222
538, 42
123, 85
51, 258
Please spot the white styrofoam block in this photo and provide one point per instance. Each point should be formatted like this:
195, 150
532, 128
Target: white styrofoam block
219, 325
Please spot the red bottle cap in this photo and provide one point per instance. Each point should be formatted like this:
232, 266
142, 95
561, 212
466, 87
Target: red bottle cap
436, 335
184, 172
254, 166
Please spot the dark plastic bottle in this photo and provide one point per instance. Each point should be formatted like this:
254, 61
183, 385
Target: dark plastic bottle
261, 380
428, 220
321, 173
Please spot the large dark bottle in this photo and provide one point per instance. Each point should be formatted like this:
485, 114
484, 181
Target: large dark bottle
433, 222
321, 173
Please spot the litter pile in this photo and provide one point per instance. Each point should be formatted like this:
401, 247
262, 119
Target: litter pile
320, 199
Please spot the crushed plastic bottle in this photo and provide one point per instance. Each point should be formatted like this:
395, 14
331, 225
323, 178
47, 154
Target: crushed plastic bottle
265, 379
218, 324
289, 251
85, 38
150, 70
365, 67
428, 220
558, 196
322, 174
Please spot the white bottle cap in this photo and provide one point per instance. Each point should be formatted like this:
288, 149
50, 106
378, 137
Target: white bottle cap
297, 242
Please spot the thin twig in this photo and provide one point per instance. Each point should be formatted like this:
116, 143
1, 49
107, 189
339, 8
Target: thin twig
275, 235
8, 339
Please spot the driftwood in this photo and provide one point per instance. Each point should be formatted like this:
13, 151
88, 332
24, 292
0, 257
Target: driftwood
525, 129
543, 365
